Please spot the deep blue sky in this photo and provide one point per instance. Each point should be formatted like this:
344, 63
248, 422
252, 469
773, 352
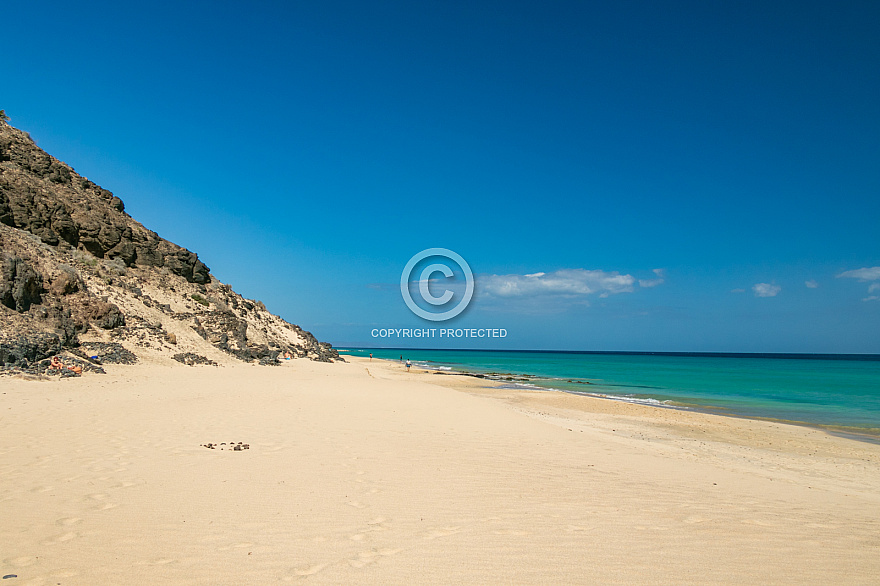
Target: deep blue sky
307, 150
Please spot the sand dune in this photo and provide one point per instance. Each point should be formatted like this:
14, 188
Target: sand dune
363, 473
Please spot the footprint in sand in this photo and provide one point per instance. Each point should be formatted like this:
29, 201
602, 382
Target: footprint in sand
517, 532
442, 532
20, 562
98, 496
758, 522
373, 525
303, 572
61, 538
357, 505
364, 558
65, 521
387, 551
64, 573
309, 570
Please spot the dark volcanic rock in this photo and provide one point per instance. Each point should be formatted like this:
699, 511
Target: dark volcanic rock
109, 352
74, 263
29, 348
191, 359
108, 316
20, 285
46, 197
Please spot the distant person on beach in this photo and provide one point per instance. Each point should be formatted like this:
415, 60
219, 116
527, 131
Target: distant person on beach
401, 358
56, 364
371, 355
408, 364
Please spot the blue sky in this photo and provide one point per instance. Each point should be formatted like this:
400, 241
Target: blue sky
307, 150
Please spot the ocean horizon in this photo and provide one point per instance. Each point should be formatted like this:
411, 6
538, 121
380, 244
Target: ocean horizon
839, 392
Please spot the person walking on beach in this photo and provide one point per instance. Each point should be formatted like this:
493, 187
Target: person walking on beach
371, 356
408, 364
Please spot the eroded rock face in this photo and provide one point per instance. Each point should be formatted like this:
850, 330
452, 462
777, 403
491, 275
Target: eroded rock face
72, 262
48, 199
20, 285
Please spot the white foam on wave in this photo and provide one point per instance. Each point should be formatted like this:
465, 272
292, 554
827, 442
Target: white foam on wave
622, 398
638, 400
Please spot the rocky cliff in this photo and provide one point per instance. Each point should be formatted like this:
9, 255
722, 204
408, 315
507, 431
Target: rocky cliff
79, 276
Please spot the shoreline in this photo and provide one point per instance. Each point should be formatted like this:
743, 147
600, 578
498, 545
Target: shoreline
857, 433
780, 355
870, 435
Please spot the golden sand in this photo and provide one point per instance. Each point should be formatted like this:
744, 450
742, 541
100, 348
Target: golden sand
364, 473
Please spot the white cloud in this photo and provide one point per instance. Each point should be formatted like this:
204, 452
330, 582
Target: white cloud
564, 282
811, 284
648, 283
863, 274
766, 290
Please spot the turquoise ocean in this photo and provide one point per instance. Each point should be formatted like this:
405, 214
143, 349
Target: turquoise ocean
836, 391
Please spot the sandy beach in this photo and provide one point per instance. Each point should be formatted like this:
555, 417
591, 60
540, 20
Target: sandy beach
364, 473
